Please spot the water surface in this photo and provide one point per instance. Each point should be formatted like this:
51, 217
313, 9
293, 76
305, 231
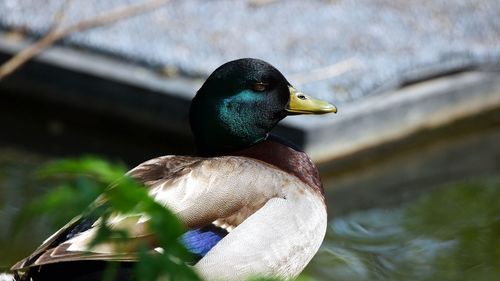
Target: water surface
451, 233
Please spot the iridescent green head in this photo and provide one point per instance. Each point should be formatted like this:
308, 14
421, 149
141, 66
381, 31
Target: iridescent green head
242, 101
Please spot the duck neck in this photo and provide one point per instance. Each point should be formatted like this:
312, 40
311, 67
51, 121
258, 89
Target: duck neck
229, 124
217, 143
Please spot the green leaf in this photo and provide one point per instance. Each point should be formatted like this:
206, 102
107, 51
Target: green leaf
79, 183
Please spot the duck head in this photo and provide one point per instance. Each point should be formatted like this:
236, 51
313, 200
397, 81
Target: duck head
241, 102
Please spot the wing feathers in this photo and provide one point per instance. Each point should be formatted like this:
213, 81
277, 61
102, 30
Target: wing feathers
199, 190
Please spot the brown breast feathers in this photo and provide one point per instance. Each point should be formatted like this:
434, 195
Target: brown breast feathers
287, 159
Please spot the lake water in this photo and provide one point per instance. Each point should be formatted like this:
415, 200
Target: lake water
450, 233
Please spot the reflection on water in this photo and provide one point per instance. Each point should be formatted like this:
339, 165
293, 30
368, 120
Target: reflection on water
448, 234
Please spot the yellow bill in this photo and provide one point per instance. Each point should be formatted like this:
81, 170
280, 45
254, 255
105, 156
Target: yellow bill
303, 104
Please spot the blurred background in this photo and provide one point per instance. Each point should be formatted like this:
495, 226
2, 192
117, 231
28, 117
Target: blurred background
410, 164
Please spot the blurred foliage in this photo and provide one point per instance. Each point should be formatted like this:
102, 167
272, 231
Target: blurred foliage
81, 182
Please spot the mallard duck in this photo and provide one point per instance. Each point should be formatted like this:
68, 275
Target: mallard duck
253, 203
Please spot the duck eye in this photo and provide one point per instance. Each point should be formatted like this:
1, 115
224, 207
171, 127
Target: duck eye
259, 86
301, 96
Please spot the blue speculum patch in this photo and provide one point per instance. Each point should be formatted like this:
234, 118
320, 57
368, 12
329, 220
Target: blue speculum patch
201, 240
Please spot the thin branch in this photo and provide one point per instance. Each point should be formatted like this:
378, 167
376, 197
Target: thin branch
58, 33
326, 72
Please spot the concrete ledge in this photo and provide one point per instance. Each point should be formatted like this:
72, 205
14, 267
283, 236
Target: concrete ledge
109, 86
393, 116
395, 173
